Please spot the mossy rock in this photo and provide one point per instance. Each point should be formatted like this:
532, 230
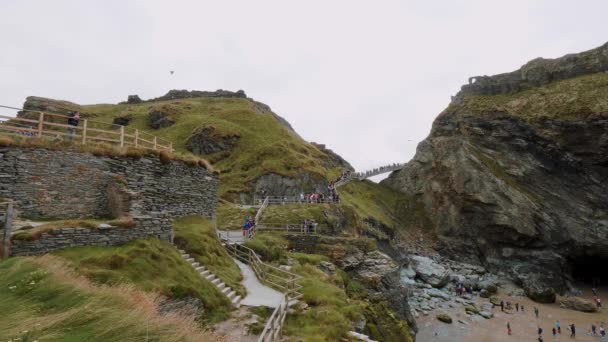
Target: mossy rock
445, 318
495, 300
471, 309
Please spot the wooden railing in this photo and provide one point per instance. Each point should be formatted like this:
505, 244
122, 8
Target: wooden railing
274, 277
6, 214
274, 200
44, 124
298, 228
258, 215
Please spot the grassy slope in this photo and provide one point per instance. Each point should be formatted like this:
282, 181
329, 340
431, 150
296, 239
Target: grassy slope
196, 235
570, 99
265, 145
42, 300
150, 265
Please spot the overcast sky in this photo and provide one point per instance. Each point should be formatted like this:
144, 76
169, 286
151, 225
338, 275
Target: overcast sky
367, 78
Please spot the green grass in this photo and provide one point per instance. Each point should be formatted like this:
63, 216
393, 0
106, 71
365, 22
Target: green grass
572, 99
296, 213
42, 300
230, 216
265, 146
330, 313
371, 200
151, 265
271, 247
196, 235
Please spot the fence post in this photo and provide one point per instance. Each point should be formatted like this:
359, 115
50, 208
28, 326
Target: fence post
136, 137
122, 136
155, 142
40, 124
170, 146
84, 131
8, 222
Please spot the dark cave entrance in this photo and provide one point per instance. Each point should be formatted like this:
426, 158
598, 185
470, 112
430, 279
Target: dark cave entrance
590, 270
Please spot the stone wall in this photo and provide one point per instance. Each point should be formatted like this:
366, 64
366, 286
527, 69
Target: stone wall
63, 184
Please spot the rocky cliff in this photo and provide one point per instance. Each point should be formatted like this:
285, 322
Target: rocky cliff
514, 174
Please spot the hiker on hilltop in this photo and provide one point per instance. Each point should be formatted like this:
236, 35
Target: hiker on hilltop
73, 121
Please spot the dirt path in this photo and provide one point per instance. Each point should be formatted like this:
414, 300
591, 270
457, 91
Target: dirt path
524, 324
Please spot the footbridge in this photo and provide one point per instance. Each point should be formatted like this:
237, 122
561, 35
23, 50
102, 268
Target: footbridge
369, 173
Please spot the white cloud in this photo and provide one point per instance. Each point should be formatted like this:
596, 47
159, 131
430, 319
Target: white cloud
362, 77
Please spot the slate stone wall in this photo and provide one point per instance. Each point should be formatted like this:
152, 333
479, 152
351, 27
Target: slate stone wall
63, 184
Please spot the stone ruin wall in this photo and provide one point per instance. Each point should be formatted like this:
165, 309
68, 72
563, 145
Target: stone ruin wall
48, 184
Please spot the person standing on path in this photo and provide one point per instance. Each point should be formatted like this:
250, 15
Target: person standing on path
558, 326
536, 311
508, 328
572, 331
554, 332
502, 306
517, 307
73, 121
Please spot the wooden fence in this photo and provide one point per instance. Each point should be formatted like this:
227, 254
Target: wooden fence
298, 228
6, 220
42, 124
274, 200
274, 277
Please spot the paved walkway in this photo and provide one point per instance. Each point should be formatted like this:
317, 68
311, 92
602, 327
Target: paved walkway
258, 294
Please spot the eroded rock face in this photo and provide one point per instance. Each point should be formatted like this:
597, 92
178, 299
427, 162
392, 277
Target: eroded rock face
523, 196
207, 140
577, 303
160, 119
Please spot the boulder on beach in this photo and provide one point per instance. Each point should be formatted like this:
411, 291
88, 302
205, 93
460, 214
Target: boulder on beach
577, 303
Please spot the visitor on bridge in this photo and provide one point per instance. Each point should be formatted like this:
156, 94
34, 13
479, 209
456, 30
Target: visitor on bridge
73, 121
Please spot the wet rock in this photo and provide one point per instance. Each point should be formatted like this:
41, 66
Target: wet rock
486, 314
429, 271
438, 294
445, 318
576, 303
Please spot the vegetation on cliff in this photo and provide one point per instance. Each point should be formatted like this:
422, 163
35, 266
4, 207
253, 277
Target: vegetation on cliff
577, 98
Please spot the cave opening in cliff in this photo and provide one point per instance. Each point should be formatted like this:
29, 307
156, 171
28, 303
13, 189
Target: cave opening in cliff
590, 270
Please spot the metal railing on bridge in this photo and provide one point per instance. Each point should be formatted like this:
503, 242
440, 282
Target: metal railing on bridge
298, 228
279, 200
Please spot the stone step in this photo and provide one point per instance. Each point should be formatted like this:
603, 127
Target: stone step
200, 268
231, 295
226, 290
210, 277
236, 301
185, 255
221, 286
205, 273
190, 260
216, 281
195, 264
181, 251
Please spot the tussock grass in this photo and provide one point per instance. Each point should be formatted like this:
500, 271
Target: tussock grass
196, 235
151, 265
43, 299
230, 216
